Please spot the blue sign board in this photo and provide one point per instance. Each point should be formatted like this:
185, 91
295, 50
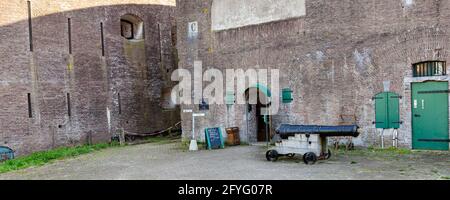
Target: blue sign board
214, 138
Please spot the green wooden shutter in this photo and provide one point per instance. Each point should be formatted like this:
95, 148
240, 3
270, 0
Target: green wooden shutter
387, 111
287, 95
393, 110
381, 115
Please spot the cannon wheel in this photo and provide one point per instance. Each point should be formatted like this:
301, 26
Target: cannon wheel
291, 155
310, 158
272, 155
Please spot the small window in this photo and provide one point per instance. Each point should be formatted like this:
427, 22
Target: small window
432, 68
132, 27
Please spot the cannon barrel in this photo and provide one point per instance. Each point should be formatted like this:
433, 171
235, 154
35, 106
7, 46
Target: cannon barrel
286, 130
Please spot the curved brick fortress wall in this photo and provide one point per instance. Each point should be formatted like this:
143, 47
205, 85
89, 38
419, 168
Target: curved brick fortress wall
136, 70
335, 58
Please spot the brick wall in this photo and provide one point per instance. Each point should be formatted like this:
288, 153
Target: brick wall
336, 58
132, 68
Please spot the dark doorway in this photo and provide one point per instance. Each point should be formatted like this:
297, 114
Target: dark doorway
259, 98
261, 125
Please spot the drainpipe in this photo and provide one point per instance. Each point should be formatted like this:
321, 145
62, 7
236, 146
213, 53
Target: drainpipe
382, 139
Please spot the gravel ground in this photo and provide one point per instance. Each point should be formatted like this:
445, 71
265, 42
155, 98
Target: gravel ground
169, 161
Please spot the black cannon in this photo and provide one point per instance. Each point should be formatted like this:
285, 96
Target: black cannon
287, 130
311, 141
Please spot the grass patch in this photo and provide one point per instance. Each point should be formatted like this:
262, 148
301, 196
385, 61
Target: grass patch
391, 150
377, 151
445, 177
41, 158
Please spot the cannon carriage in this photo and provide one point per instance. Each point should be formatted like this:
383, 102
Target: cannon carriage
310, 141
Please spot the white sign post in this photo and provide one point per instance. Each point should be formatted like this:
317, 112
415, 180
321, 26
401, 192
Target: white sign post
193, 146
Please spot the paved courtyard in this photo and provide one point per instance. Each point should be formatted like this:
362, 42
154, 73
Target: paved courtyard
170, 161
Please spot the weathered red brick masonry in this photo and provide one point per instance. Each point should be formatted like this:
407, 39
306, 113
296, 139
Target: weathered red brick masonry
335, 56
73, 72
69, 76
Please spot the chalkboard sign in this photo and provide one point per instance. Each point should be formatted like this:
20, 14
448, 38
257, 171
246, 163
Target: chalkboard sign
214, 138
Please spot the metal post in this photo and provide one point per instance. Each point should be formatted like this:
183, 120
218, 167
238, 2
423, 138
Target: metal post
193, 127
395, 138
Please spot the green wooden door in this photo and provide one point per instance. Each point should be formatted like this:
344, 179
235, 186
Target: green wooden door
430, 115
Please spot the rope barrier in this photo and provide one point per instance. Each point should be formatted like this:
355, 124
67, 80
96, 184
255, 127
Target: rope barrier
150, 134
